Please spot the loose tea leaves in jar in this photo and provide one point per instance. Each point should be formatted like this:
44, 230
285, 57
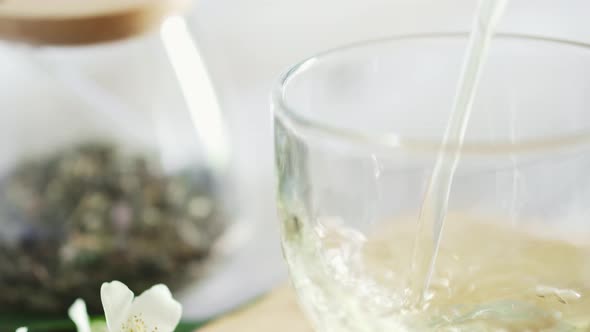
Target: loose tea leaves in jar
88, 214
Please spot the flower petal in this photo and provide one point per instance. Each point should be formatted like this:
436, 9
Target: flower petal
116, 302
156, 308
79, 316
22, 329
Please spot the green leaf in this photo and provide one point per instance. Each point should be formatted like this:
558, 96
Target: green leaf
10, 323
35, 324
189, 326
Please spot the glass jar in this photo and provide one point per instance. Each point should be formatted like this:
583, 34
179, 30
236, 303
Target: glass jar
113, 151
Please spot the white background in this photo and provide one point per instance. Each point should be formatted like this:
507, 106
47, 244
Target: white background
248, 43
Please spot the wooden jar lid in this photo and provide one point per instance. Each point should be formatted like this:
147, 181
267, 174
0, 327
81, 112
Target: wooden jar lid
75, 22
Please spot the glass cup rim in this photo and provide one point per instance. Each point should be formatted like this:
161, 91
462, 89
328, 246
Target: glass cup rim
291, 117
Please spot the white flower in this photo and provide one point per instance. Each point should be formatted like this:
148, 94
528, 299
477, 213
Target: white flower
22, 329
153, 311
79, 316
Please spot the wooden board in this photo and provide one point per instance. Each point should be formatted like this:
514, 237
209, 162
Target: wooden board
72, 22
277, 312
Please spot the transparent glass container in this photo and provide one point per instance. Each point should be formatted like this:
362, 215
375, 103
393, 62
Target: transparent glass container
357, 134
113, 159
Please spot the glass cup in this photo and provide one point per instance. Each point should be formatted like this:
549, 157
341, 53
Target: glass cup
357, 134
